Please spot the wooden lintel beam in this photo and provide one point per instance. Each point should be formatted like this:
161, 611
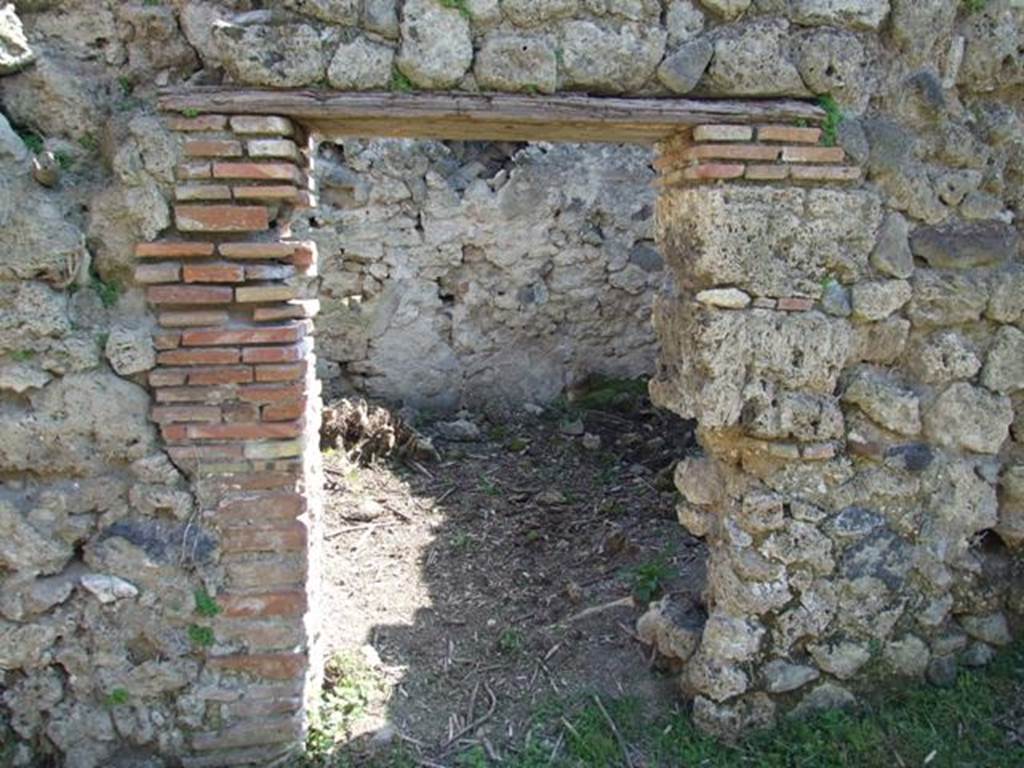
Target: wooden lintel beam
504, 117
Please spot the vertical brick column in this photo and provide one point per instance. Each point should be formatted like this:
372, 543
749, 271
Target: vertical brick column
237, 403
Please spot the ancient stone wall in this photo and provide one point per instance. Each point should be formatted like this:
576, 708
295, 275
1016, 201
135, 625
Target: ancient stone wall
861, 484
482, 273
852, 377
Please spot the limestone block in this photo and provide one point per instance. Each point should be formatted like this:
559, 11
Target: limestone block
1004, 366
877, 300
943, 356
361, 66
783, 677
130, 350
753, 59
344, 12
516, 63
683, 68
275, 55
966, 246
609, 61
969, 417
436, 47
892, 255
683, 21
841, 659
857, 14
532, 13
15, 52
946, 298
884, 400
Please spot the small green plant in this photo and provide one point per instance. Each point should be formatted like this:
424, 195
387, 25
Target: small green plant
151, 3
190, 112
511, 642
489, 487
102, 339
517, 444
116, 698
474, 757
350, 686
126, 85
22, 355
459, 5
89, 142
32, 140
974, 6
833, 119
647, 580
200, 637
107, 291
64, 160
401, 83
206, 605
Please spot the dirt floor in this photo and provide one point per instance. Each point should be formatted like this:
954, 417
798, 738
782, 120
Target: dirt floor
474, 590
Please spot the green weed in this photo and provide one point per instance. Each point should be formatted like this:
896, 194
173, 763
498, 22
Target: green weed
973, 6
459, 5
89, 143
401, 83
350, 685
200, 637
511, 642
32, 140
190, 112
64, 160
833, 119
488, 486
606, 393
647, 580
108, 291
22, 355
206, 605
475, 757
116, 698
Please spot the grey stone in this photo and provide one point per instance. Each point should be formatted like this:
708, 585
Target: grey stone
1007, 302
381, 16
728, 298
884, 400
981, 206
858, 14
954, 186
827, 696
609, 61
683, 68
275, 55
992, 628
436, 47
671, 627
107, 588
21, 377
344, 12
130, 350
647, 258
52, 98
23, 596
516, 63
361, 66
727, 9
892, 255
15, 52
484, 13
461, 430
913, 457
907, 656
782, 677
731, 720
966, 246
881, 343
978, 655
698, 479
992, 53
683, 21
1004, 366
854, 523
717, 679
941, 671
946, 298
532, 13
969, 417
944, 356
794, 415
753, 59
842, 659
800, 543
892, 146
27, 550
918, 25
879, 299
835, 300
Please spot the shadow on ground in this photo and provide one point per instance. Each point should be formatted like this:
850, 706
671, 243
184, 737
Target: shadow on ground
466, 598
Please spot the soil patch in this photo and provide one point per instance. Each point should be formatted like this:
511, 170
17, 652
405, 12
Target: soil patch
508, 575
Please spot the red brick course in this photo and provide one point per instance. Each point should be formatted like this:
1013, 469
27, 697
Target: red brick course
221, 218
283, 334
189, 294
213, 273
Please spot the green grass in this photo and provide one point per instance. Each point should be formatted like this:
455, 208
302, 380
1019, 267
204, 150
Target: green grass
22, 355
910, 725
973, 6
